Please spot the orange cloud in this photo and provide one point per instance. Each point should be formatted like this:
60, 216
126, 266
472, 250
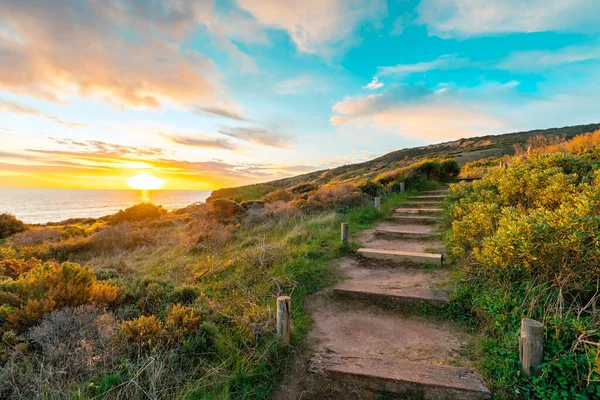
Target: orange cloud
100, 165
122, 52
16, 108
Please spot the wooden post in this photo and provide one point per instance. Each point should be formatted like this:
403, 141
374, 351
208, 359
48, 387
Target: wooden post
531, 346
284, 321
378, 203
345, 233
401, 187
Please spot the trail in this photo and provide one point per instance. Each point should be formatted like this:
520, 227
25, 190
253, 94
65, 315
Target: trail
373, 334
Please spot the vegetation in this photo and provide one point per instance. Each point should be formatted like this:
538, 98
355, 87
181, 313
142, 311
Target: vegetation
149, 303
9, 225
462, 150
526, 241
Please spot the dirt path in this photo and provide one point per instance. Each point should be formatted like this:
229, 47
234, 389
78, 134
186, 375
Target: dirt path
373, 334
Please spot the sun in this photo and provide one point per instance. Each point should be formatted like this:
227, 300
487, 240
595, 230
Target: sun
145, 181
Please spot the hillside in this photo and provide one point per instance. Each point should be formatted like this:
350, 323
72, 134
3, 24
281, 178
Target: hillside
463, 150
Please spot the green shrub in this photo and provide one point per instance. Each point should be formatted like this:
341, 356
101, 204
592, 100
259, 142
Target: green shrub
303, 188
371, 188
526, 237
9, 225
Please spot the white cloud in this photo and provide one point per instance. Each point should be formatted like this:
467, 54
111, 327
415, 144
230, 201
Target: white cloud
451, 18
375, 84
299, 84
317, 26
447, 61
538, 60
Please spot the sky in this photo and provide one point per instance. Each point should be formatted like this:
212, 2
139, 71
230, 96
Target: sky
207, 94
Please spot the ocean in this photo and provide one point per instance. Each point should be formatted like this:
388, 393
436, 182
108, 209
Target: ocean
39, 206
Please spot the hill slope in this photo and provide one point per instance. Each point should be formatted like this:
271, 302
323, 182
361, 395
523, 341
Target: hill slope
463, 150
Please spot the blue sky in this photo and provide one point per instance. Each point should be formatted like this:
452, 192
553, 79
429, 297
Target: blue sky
208, 94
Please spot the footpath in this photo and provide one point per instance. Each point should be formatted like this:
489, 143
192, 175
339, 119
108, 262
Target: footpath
376, 334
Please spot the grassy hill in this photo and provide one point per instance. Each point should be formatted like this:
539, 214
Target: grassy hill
463, 150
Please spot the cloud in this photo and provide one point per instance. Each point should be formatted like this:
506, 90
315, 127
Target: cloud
537, 60
99, 148
375, 84
126, 52
258, 135
317, 26
423, 112
459, 18
353, 158
88, 169
299, 84
443, 62
203, 141
220, 111
353, 108
16, 108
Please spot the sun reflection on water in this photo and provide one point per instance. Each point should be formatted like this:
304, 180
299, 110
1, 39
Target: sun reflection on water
145, 196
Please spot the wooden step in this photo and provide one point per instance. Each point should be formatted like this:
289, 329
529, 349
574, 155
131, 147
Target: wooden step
399, 233
417, 219
439, 191
388, 374
406, 210
428, 197
402, 256
360, 290
422, 203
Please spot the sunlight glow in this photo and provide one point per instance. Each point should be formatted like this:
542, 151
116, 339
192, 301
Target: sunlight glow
145, 181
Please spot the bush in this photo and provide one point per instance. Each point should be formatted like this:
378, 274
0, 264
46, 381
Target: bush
527, 239
371, 188
139, 212
13, 268
280, 195
330, 197
225, 210
280, 208
9, 225
450, 168
303, 188
47, 287
252, 204
143, 330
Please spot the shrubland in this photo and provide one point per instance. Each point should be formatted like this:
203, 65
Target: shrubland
464, 151
154, 304
526, 241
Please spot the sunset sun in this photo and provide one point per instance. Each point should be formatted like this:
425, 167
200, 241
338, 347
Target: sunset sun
145, 181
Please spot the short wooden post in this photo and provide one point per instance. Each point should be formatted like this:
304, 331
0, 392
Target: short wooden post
284, 321
345, 233
531, 346
401, 187
378, 203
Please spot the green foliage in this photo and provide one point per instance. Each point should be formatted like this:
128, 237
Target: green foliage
371, 188
9, 225
527, 239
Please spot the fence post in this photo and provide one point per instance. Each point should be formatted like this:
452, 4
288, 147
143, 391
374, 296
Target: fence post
531, 346
345, 233
378, 203
401, 187
284, 321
